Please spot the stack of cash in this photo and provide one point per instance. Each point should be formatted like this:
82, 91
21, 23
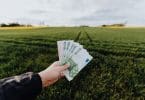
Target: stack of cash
73, 54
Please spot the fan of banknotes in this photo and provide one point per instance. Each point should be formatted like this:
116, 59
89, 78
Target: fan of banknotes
75, 55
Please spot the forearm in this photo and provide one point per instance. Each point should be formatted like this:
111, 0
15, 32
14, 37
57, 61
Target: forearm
27, 86
23, 87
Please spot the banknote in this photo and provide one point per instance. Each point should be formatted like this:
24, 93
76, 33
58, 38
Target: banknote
75, 55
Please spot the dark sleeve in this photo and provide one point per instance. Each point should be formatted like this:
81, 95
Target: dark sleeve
23, 87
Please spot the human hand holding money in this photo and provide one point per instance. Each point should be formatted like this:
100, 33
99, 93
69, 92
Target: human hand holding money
52, 74
73, 54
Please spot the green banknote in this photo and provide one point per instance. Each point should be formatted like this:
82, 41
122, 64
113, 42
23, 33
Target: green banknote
75, 55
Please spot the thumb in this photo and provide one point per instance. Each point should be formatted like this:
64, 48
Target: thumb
64, 67
56, 63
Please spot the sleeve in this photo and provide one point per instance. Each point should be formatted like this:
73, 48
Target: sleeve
23, 87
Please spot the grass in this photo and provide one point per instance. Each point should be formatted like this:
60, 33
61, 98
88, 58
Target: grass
116, 72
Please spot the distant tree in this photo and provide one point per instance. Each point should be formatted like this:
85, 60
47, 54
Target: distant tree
114, 25
3, 25
14, 24
104, 25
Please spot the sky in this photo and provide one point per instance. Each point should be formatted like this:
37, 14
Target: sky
73, 12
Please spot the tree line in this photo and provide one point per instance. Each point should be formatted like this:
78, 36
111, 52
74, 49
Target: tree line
14, 25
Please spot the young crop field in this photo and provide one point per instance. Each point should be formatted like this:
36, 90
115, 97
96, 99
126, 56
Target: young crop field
117, 70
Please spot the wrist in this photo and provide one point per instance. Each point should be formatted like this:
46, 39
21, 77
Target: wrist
43, 79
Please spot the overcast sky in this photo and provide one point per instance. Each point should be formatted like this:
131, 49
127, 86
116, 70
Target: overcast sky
73, 12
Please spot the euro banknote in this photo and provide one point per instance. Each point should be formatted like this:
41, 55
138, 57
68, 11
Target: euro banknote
75, 55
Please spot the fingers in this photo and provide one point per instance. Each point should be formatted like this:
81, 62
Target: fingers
64, 67
56, 63
61, 68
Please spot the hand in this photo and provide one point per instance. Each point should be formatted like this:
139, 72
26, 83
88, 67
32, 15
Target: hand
52, 74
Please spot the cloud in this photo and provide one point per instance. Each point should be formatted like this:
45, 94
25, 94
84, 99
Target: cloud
73, 12
115, 11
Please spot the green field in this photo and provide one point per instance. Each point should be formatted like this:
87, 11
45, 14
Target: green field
116, 72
